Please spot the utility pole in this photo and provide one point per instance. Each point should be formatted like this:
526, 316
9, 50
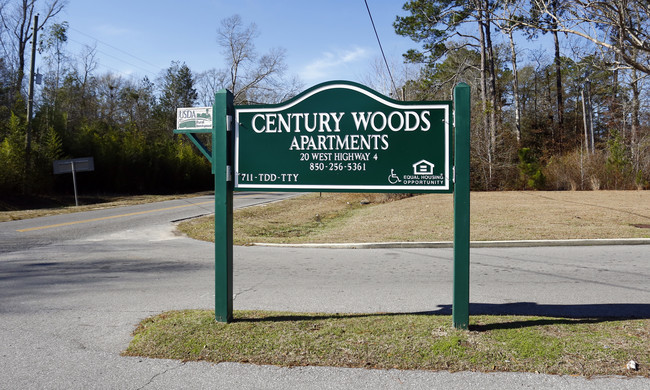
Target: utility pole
30, 99
587, 116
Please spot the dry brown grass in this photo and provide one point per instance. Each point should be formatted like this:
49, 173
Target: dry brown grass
297, 219
556, 215
494, 216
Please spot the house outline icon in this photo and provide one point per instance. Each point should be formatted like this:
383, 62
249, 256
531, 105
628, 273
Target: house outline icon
423, 167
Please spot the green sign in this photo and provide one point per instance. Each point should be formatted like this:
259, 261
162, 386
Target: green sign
342, 136
337, 136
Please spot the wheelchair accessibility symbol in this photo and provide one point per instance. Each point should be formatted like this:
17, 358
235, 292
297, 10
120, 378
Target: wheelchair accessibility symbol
393, 178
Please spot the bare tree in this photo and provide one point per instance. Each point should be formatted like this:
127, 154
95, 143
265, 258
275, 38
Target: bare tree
509, 28
109, 87
83, 99
619, 26
379, 79
17, 18
557, 11
208, 83
252, 77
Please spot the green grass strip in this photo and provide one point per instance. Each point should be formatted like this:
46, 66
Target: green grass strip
585, 347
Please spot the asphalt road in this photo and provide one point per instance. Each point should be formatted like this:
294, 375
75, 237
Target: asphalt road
106, 222
73, 288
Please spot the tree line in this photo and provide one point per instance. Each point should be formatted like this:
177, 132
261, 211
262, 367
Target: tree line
125, 124
573, 117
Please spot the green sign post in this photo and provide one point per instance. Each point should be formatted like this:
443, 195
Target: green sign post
220, 128
336, 136
462, 113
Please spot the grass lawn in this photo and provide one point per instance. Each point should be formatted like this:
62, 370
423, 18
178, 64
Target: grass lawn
338, 218
584, 346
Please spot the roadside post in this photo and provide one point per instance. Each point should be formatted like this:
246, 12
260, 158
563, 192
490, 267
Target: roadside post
216, 121
337, 136
223, 208
460, 304
84, 164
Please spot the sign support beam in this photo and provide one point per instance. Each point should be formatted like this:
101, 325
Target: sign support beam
222, 152
221, 159
460, 307
191, 134
74, 184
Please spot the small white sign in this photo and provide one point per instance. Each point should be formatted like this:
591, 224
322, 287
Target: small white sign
194, 118
84, 164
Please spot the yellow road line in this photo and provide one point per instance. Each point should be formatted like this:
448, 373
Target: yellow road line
110, 217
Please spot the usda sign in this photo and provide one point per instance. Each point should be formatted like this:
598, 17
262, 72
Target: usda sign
342, 136
194, 118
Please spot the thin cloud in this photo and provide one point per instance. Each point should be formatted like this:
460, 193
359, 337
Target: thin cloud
112, 30
332, 63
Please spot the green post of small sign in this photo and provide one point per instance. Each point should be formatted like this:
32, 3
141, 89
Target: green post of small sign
222, 139
460, 308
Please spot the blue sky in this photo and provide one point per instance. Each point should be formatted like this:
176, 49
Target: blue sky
324, 40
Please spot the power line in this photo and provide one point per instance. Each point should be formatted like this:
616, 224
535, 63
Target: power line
109, 68
380, 47
116, 58
119, 50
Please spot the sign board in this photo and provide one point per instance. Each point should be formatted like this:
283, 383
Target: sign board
342, 136
338, 136
83, 164
194, 118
